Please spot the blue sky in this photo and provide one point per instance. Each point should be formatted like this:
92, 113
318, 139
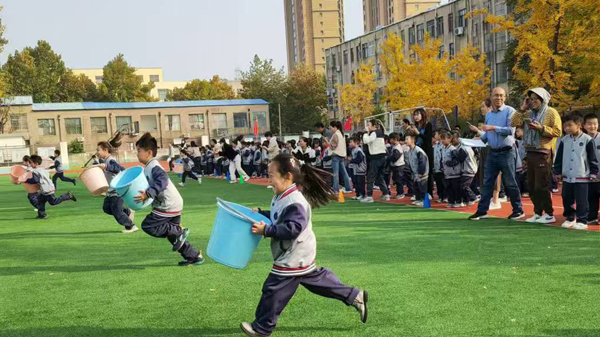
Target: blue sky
187, 38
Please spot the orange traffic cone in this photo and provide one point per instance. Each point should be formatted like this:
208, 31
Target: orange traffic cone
341, 198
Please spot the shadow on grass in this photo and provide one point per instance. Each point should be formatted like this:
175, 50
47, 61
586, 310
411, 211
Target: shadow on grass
148, 332
65, 234
11, 271
573, 332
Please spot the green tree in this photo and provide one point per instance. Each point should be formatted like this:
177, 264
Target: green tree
198, 89
4, 110
75, 146
76, 88
120, 83
264, 81
305, 99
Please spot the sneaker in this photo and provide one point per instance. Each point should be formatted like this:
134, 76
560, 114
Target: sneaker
580, 226
181, 184
193, 262
478, 216
233, 182
471, 203
503, 199
516, 215
133, 229
385, 197
555, 190
347, 192
418, 203
546, 219
459, 205
534, 218
246, 179
376, 188
367, 200
72, 196
568, 224
270, 187
449, 205
42, 217
478, 197
439, 201
525, 195
413, 198
592, 222
181, 239
74, 182
199, 180
495, 205
131, 215
35, 210
360, 303
445, 200
398, 196
249, 331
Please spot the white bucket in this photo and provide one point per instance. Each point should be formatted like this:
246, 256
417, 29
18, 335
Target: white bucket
93, 178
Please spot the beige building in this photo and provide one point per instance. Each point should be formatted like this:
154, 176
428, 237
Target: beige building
161, 87
311, 27
446, 22
379, 13
48, 124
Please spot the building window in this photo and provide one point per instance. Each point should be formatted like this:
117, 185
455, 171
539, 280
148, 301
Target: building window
148, 123
365, 49
18, 122
162, 94
262, 118
345, 57
46, 127
461, 18
500, 8
154, 78
197, 121
123, 121
173, 122
371, 51
73, 126
98, 125
219, 121
99, 79
451, 50
450, 23
351, 55
441, 52
411, 35
440, 25
402, 37
431, 28
240, 119
420, 32
358, 53
500, 41
500, 72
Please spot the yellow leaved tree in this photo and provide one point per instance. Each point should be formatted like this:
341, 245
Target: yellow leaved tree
356, 99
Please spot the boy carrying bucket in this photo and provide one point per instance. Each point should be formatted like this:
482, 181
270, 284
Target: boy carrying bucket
165, 219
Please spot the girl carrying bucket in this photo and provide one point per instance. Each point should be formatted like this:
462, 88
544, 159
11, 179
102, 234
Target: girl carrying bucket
294, 245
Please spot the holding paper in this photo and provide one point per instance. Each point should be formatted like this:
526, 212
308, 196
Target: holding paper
472, 142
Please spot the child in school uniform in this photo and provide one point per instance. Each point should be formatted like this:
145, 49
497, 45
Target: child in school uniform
358, 163
60, 172
188, 169
32, 197
327, 160
396, 162
294, 245
165, 219
257, 160
210, 161
407, 176
468, 169
247, 158
419, 165
113, 203
590, 124
577, 164
40, 176
438, 172
451, 168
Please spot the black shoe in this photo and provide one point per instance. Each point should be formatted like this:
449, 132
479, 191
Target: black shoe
516, 215
72, 196
193, 262
74, 182
478, 216
42, 217
181, 239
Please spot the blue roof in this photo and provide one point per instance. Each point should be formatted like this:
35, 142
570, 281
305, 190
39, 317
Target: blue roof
142, 105
17, 100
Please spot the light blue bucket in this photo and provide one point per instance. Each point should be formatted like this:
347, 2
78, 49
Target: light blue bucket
128, 184
231, 241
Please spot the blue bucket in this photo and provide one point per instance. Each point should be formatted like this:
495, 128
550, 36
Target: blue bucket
231, 241
128, 184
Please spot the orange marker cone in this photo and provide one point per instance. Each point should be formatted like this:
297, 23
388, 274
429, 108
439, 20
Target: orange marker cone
341, 198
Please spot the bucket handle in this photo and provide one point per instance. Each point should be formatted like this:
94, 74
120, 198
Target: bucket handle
230, 209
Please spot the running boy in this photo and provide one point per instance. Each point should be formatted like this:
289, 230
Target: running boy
60, 172
294, 245
41, 176
165, 219
188, 169
32, 197
576, 162
113, 203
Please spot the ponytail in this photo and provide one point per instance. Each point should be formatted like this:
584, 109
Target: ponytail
315, 187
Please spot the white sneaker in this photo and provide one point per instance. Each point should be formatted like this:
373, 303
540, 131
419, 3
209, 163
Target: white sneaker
367, 200
246, 179
418, 203
360, 303
347, 192
131, 215
413, 198
270, 187
356, 198
546, 219
470, 203
385, 197
35, 210
233, 182
580, 226
199, 181
181, 184
495, 205
567, 224
504, 199
534, 218
131, 230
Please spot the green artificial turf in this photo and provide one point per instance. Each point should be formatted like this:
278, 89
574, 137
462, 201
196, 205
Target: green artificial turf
428, 273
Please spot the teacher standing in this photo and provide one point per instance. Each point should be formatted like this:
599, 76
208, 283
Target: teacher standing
425, 141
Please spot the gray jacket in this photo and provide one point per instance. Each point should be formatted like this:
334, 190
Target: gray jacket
419, 164
112, 169
358, 162
451, 166
438, 151
43, 178
167, 200
576, 159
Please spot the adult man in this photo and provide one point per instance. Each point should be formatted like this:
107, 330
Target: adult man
498, 133
323, 131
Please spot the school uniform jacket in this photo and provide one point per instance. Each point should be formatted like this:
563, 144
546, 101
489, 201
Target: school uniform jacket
41, 176
596, 141
576, 159
438, 150
396, 157
58, 165
188, 164
167, 200
466, 157
293, 242
111, 170
247, 156
358, 163
451, 166
419, 164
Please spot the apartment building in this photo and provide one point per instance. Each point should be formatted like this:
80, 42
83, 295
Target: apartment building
379, 13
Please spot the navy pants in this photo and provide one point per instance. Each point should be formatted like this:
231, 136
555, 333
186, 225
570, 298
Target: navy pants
278, 291
420, 187
575, 194
168, 227
439, 183
188, 174
466, 193
593, 199
359, 185
113, 205
496, 162
375, 176
51, 199
33, 199
61, 176
453, 190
